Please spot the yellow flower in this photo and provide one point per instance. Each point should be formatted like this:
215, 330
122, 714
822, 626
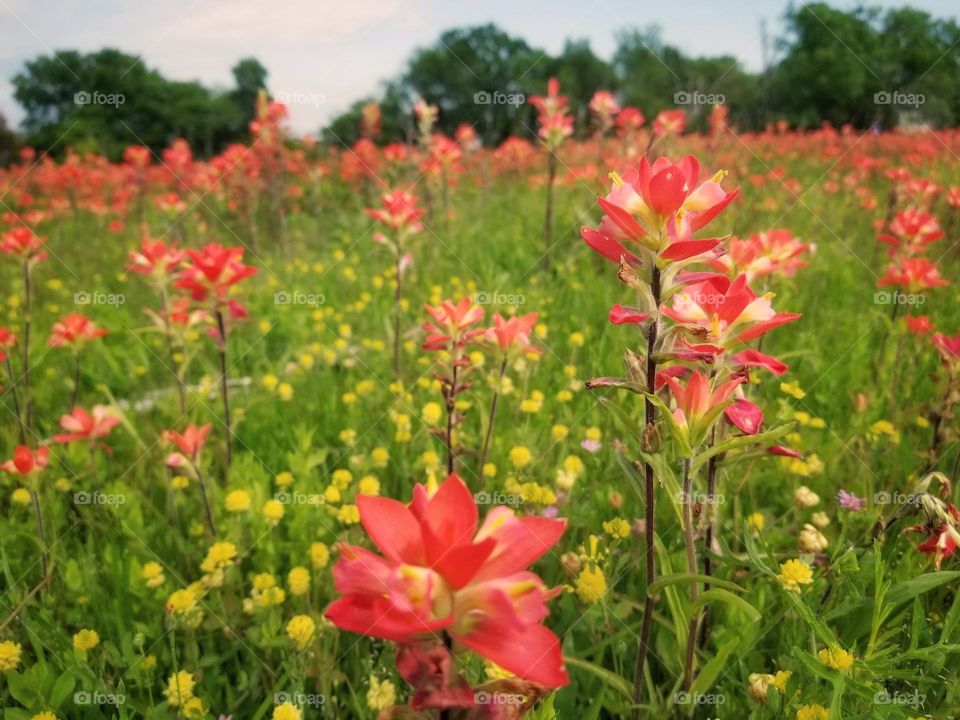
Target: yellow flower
237, 501
380, 457
181, 602
341, 478
618, 528
179, 688
573, 465
349, 398
270, 382
285, 391
273, 511
193, 709
802, 417
349, 515
179, 482
45, 715
559, 432
520, 456
286, 711
431, 413
818, 423
489, 470
86, 640
836, 657
794, 573
10, 654
756, 522
152, 574
881, 428
593, 433
348, 437
591, 584
564, 396
813, 712
21, 496
495, 672
284, 479
298, 580
301, 630
220, 555
369, 485
331, 494
319, 555
381, 695
922, 422
306, 361
792, 389
780, 680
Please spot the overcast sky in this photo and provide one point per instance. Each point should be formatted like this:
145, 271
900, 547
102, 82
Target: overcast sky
330, 53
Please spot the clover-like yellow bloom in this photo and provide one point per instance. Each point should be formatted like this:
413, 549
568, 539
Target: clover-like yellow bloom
794, 573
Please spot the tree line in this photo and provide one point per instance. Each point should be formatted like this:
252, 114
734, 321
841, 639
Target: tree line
865, 67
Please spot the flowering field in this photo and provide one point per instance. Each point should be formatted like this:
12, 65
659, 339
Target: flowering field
647, 424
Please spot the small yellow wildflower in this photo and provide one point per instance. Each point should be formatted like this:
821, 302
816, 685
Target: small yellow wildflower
298, 580
559, 431
237, 501
836, 657
381, 695
319, 555
489, 470
431, 413
301, 630
21, 496
45, 715
86, 640
794, 573
520, 456
152, 574
220, 555
284, 479
349, 515
286, 711
272, 511
756, 522
10, 654
179, 688
380, 456
591, 584
270, 382
369, 485
285, 391
793, 390
813, 712
341, 478
617, 528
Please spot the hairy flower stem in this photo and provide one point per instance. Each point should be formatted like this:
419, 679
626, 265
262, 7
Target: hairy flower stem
168, 334
25, 369
548, 218
711, 528
21, 430
650, 416
493, 415
208, 510
224, 388
451, 409
396, 318
690, 542
41, 534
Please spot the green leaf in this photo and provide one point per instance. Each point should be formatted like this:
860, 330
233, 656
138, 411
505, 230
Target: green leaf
679, 433
609, 677
909, 589
728, 597
735, 443
686, 578
712, 669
